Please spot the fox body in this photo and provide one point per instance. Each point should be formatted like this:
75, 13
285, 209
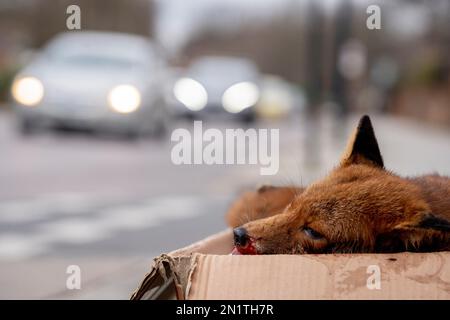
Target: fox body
358, 207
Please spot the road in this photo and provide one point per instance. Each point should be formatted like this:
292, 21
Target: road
110, 205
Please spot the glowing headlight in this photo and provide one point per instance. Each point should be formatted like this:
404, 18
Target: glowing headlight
190, 93
240, 96
124, 98
28, 91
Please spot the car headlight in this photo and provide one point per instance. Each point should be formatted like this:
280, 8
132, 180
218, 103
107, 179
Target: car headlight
124, 98
28, 91
240, 96
191, 93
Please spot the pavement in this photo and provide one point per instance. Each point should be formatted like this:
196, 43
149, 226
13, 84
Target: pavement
109, 206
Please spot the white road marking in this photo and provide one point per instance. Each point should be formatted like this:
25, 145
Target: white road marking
95, 225
18, 247
29, 210
74, 231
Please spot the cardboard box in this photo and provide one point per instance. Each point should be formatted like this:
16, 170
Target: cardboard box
206, 270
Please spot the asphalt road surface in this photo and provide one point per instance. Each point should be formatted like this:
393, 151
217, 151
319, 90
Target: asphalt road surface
111, 205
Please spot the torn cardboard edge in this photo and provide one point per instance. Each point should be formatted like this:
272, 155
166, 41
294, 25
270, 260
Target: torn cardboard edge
170, 274
168, 279
205, 270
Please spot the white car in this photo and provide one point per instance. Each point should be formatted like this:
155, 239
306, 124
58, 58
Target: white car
218, 85
94, 80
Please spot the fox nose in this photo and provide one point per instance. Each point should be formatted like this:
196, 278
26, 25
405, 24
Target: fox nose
240, 237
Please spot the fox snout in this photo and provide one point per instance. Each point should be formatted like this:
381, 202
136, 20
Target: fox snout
243, 243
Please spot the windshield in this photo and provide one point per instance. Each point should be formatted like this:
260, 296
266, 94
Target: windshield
223, 67
96, 53
93, 60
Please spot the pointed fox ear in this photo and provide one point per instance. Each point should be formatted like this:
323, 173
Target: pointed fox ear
363, 146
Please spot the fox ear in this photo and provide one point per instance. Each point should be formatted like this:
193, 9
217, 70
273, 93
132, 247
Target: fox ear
428, 221
363, 146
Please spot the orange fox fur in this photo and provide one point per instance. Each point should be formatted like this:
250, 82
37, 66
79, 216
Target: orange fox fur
358, 207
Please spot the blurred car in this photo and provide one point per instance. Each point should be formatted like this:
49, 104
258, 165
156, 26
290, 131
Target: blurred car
279, 98
215, 85
94, 80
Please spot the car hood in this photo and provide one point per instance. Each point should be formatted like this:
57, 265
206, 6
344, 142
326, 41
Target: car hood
216, 85
83, 86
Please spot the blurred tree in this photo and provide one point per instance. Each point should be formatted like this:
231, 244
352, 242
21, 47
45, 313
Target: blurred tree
276, 44
314, 39
45, 18
342, 32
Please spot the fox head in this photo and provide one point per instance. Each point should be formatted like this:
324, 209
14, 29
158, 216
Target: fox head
358, 207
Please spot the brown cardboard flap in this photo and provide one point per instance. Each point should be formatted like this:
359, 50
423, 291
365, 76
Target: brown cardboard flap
170, 274
167, 279
219, 243
403, 276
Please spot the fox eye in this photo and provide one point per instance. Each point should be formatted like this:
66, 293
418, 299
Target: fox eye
313, 234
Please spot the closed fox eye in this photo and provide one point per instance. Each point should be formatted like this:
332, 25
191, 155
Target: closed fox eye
311, 233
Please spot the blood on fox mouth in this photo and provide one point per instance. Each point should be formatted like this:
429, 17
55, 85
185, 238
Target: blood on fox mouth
248, 249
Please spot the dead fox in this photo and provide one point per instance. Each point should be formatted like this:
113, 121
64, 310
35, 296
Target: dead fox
359, 207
